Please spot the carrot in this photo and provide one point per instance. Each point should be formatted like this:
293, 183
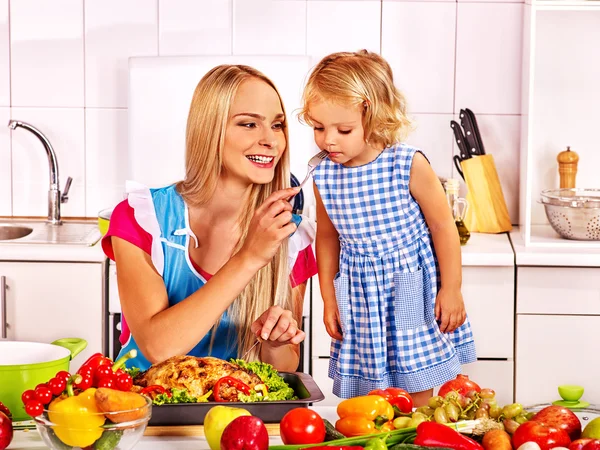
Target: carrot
120, 406
496, 440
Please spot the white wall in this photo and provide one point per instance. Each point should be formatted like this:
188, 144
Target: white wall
63, 68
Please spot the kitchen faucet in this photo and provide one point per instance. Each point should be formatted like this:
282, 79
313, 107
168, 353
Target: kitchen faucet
54, 196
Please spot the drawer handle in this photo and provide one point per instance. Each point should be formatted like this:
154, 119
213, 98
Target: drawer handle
4, 319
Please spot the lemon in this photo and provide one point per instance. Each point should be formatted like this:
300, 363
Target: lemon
592, 429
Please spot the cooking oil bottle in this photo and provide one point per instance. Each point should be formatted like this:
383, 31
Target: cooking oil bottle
458, 206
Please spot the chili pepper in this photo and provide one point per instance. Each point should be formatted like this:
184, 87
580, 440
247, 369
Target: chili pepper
363, 415
397, 397
337, 447
5, 410
433, 434
230, 381
376, 444
155, 388
77, 419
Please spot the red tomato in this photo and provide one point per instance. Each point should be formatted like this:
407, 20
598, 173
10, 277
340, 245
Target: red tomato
28, 395
43, 394
545, 436
34, 408
57, 385
302, 426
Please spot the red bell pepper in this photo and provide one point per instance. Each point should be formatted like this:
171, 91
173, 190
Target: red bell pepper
230, 381
95, 361
155, 388
396, 397
433, 434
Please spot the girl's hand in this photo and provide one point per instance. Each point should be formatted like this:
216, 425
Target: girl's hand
450, 309
277, 327
270, 225
331, 319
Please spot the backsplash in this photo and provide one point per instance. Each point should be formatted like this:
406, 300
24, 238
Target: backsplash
64, 69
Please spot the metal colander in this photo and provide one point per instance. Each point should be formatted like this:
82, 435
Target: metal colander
573, 213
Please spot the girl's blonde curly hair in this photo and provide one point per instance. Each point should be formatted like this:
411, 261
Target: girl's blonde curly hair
360, 79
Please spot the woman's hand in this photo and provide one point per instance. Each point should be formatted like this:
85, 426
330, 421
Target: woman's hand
277, 327
450, 309
270, 225
331, 319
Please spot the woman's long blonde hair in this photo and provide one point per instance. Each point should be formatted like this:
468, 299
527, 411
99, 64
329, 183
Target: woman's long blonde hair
205, 137
360, 79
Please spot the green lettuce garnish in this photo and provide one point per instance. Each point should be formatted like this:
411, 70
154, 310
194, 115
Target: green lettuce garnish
278, 389
178, 396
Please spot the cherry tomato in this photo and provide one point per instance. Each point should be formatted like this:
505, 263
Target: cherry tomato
43, 394
27, 396
123, 381
34, 408
103, 372
106, 382
302, 426
64, 375
41, 385
85, 383
57, 385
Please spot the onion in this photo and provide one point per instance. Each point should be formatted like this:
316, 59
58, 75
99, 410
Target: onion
461, 384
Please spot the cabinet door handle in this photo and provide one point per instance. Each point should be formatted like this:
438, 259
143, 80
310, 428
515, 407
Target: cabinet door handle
4, 320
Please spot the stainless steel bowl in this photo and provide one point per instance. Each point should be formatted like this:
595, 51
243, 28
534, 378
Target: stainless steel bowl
573, 213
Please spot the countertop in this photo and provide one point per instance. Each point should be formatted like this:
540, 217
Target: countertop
51, 252
559, 252
31, 439
488, 250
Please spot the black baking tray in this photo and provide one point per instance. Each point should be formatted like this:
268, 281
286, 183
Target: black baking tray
304, 387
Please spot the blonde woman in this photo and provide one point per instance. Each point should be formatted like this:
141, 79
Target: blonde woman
203, 265
387, 247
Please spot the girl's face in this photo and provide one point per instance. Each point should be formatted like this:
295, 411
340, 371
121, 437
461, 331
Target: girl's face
339, 130
254, 137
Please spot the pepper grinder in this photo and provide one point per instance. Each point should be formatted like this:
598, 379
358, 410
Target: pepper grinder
567, 167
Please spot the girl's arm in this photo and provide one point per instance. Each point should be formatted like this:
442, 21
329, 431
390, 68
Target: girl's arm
427, 190
328, 262
162, 331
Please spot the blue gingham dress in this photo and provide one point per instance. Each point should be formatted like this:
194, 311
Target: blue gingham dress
387, 282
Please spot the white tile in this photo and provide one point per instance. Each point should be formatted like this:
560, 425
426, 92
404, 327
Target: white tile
190, 27
64, 128
114, 31
418, 41
47, 53
433, 135
269, 27
501, 136
5, 167
106, 158
4, 55
488, 57
334, 26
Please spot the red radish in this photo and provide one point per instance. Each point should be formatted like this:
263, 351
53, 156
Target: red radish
461, 384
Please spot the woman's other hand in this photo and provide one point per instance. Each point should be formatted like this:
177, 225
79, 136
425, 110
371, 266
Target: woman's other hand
450, 309
331, 319
271, 224
277, 327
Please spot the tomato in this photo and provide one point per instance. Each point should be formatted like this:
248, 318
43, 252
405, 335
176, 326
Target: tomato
28, 395
43, 394
57, 385
123, 381
546, 437
34, 408
302, 426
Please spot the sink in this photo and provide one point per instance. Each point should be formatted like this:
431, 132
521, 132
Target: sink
32, 231
9, 232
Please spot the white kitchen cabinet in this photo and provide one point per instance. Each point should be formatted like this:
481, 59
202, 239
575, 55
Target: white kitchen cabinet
46, 301
556, 349
497, 375
320, 368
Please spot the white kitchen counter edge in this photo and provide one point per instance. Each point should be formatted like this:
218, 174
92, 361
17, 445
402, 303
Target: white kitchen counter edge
52, 253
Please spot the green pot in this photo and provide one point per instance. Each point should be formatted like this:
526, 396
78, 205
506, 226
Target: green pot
24, 365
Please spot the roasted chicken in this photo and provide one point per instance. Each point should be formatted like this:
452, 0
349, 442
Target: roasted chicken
196, 375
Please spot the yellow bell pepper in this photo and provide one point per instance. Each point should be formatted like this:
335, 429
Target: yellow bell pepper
364, 415
77, 419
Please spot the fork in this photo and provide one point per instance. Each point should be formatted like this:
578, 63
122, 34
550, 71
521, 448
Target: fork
312, 165
258, 341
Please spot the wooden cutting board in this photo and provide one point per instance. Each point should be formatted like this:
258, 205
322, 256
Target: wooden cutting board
195, 430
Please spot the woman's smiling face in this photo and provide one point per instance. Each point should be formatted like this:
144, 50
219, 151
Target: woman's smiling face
255, 138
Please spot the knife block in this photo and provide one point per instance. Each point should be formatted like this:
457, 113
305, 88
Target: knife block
487, 211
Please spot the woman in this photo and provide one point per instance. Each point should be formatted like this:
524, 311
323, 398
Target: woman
203, 265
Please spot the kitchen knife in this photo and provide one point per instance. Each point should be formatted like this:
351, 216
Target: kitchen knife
470, 138
457, 162
475, 127
460, 140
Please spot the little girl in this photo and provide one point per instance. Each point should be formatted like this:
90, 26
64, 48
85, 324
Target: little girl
388, 251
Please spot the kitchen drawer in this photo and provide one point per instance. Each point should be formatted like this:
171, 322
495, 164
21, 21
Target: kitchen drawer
553, 350
497, 375
320, 340
558, 290
489, 296
320, 369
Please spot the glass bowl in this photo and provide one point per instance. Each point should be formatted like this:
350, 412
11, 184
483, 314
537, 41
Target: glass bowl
74, 430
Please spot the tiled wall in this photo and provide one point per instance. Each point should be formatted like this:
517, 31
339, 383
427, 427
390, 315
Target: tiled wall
63, 68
